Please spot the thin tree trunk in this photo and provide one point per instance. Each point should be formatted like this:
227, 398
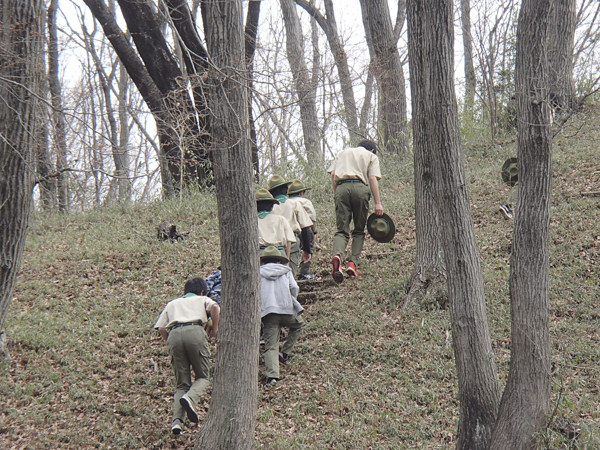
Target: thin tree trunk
561, 43
251, 32
470, 80
526, 399
122, 154
387, 67
232, 413
305, 90
21, 54
431, 53
58, 116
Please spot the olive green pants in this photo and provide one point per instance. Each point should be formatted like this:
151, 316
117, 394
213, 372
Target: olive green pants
351, 205
188, 347
295, 255
272, 328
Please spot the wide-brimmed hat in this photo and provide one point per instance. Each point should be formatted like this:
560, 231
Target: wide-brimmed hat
510, 172
272, 252
262, 195
276, 181
297, 186
381, 228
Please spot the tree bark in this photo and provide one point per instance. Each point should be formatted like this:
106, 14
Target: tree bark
231, 416
389, 74
470, 79
21, 64
251, 32
305, 90
59, 124
526, 399
561, 43
329, 26
431, 51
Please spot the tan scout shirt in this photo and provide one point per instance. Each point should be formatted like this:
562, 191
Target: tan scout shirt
355, 163
294, 213
274, 230
308, 207
194, 308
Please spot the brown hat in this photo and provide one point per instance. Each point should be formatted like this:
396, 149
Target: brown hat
381, 228
297, 186
271, 252
262, 195
276, 181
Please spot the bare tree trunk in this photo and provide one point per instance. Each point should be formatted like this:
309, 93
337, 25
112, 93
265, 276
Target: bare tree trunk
526, 399
389, 74
58, 116
431, 53
304, 88
470, 80
251, 32
561, 43
122, 152
329, 26
44, 170
232, 413
21, 64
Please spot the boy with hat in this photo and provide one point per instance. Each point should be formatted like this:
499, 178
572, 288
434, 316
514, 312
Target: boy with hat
354, 177
279, 308
297, 192
273, 229
181, 325
297, 218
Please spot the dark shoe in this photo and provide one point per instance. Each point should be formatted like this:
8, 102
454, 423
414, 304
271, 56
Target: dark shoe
507, 211
336, 273
284, 358
351, 269
188, 405
305, 276
272, 382
177, 427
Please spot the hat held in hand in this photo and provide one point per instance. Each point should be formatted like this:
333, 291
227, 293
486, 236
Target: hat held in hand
381, 228
510, 172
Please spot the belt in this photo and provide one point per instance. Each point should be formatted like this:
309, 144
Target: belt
350, 181
177, 325
262, 247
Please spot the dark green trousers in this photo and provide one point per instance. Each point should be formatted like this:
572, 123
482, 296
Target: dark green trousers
351, 205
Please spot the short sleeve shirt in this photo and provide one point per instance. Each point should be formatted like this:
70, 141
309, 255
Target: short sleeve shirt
193, 308
274, 230
294, 213
355, 163
308, 207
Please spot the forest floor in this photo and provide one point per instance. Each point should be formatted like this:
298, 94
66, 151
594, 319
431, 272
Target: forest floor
88, 371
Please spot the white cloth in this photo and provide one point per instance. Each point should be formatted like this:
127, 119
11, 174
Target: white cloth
278, 290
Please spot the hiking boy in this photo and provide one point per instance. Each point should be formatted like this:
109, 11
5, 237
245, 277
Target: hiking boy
279, 308
297, 218
297, 192
181, 325
273, 229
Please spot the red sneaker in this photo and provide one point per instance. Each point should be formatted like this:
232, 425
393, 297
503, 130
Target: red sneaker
351, 269
336, 273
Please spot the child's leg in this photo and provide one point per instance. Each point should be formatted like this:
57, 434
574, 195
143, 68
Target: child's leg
199, 355
181, 367
271, 353
305, 267
295, 324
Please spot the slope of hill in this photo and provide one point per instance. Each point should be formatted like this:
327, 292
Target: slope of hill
88, 371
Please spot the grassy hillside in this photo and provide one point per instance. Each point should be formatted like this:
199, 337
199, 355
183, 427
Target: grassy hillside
88, 371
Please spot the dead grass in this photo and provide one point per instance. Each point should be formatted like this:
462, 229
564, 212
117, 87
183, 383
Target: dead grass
89, 372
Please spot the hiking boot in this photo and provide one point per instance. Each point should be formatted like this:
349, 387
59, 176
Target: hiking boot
190, 410
284, 358
336, 273
507, 211
305, 276
272, 382
177, 427
351, 269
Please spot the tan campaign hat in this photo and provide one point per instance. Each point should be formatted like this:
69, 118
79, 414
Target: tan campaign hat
510, 172
297, 186
271, 252
381, 228
276, 181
